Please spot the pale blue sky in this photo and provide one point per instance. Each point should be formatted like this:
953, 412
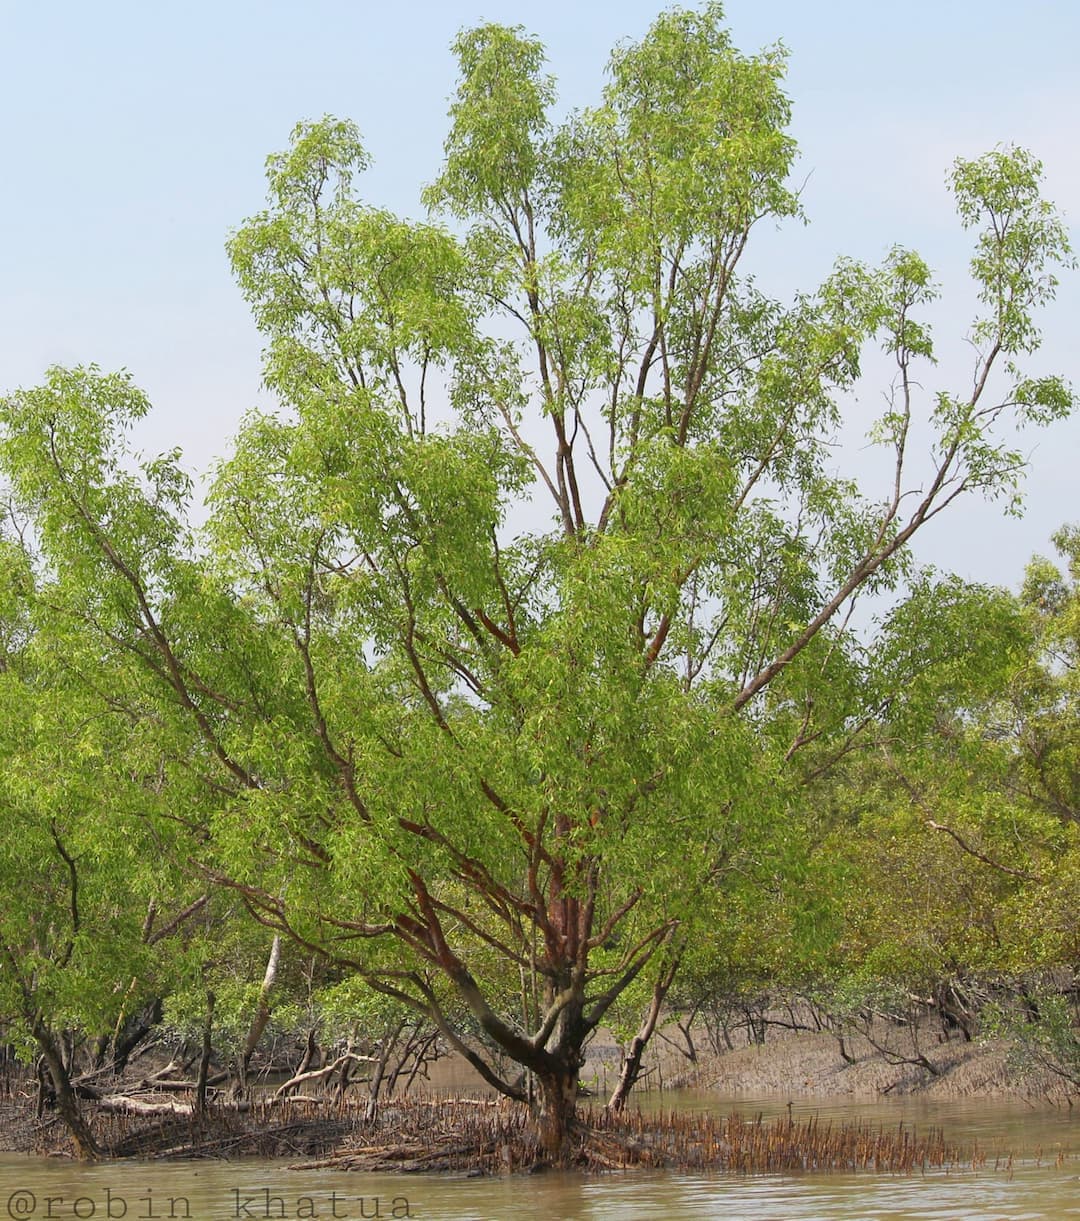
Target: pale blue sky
134, 135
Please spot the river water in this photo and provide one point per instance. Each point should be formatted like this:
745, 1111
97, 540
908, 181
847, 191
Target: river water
1032, 1170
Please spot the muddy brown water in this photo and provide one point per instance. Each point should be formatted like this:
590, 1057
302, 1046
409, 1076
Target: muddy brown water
1031, 1170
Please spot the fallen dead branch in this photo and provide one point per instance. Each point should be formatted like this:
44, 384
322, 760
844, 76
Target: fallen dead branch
324, 1073
126, 1104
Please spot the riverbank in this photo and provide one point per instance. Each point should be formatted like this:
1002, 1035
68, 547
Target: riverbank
891, 1061
457, 1128
480, 1137
808, 1064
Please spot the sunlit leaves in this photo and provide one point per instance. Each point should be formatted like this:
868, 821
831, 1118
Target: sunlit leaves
497, 119
516, 637
1022, 237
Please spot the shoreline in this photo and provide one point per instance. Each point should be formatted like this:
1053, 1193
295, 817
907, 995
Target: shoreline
806, 1066
809, 1065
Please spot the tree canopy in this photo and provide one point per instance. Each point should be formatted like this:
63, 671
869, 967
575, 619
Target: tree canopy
501, 650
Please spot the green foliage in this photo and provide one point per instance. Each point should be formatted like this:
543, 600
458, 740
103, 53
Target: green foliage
951, 840
1043, 1034
1022, 238
508, 770
71, 865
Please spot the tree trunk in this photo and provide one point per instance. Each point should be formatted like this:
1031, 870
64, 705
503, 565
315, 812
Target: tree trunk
631, 1065
261, 1017
132, 1032
204, 1058
371, 1111
344, 1074
386, 1048
629, 1071
311, 1050
555, 1115
86, 1147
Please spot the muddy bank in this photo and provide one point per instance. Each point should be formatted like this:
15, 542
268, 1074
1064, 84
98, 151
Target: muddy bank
459, 1126
480, 1137
807, 1064
308, 1129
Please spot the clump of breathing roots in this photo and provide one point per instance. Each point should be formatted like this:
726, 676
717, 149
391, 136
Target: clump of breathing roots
493, 1138
485, 1137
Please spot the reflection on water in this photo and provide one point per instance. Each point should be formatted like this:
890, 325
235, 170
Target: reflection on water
1043, 1182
